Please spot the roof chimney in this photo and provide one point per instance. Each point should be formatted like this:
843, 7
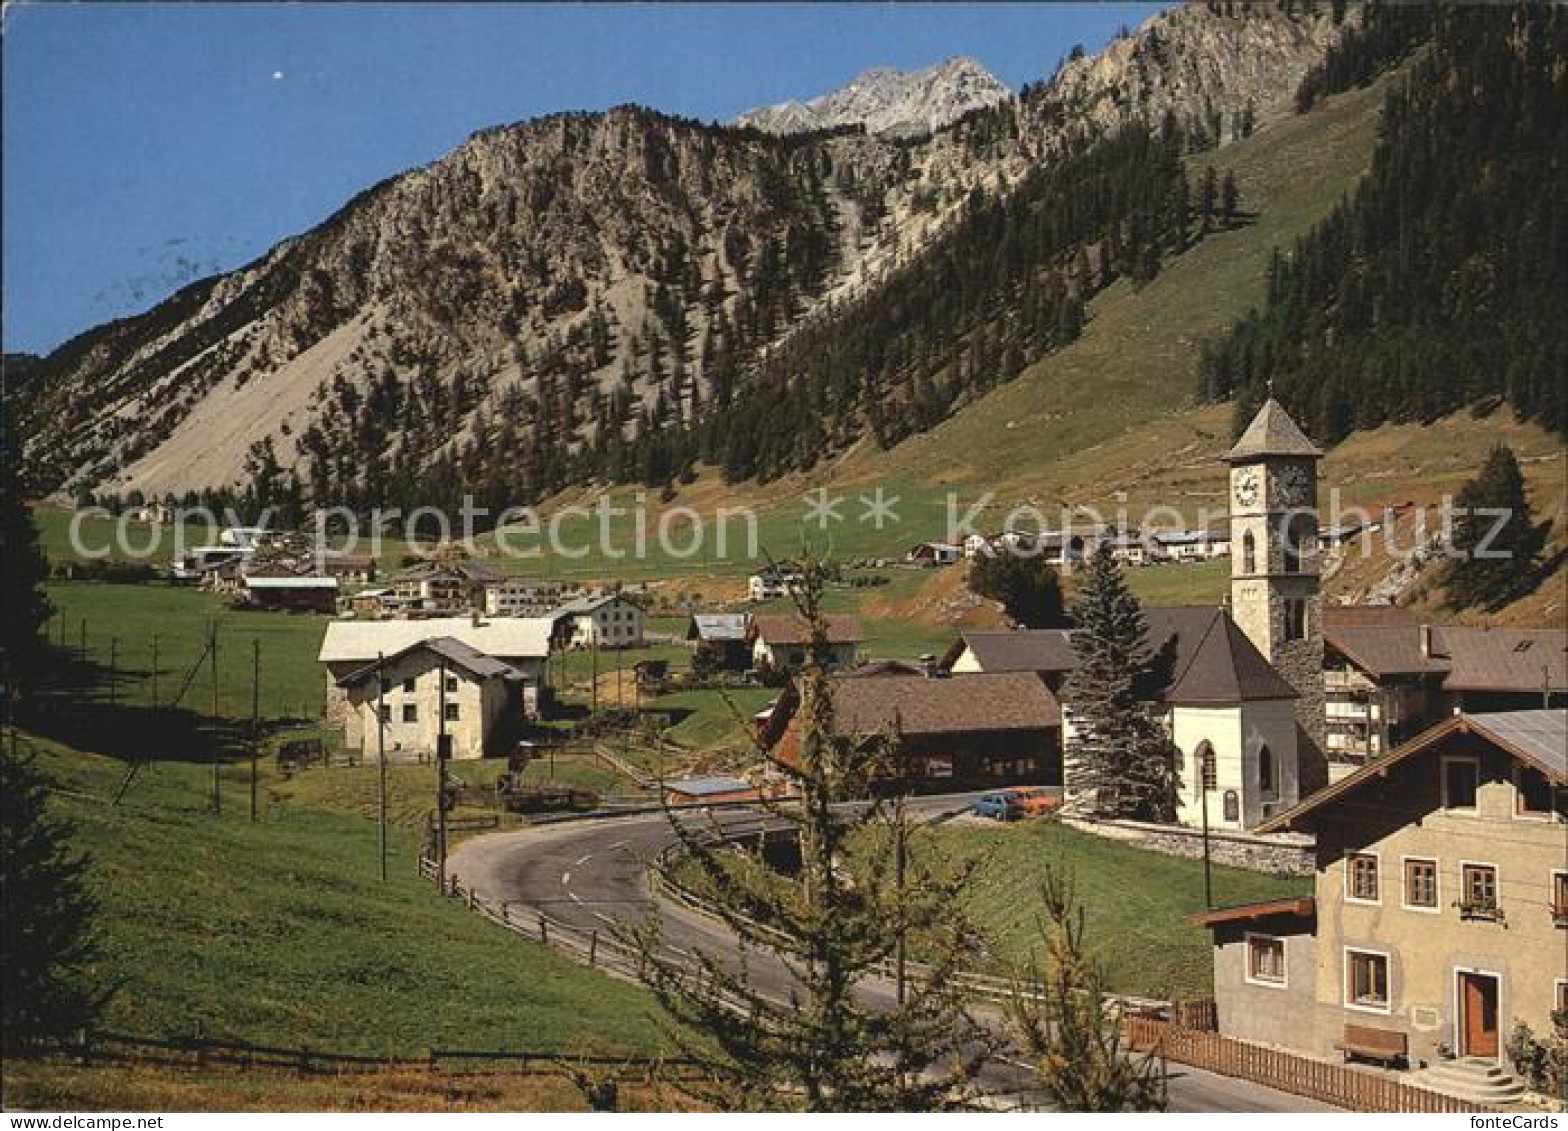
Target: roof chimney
1426, 641
928, 665
478, 622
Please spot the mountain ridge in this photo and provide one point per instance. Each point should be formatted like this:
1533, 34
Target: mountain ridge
583, 275
886, 101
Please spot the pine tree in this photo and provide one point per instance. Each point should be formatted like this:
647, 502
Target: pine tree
46, 914
1230, 200
1497, 548
826, 1048
24, 607
1119, 762
1065, 1029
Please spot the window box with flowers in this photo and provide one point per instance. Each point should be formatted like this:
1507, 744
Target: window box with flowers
1484, 911
1478, 893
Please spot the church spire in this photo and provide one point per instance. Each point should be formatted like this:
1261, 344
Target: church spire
1272, 433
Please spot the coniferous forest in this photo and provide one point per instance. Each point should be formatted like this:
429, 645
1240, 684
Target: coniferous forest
1442, 282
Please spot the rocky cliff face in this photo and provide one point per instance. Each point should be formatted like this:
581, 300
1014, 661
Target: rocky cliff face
575, 274
885, 101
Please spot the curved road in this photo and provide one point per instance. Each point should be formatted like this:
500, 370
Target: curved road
592, 875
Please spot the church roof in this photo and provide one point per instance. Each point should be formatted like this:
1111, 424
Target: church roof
1272, 433
1216, 662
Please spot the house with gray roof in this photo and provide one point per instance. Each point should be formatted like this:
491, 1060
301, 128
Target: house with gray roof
399, 705
1437, 920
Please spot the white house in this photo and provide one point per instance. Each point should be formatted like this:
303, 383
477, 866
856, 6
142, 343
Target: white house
1193, 545
607, 621
781, 641
431, 687
521, 643
523, 597
770, 583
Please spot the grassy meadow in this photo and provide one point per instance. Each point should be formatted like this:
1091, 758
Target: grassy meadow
1133, 901
282, 931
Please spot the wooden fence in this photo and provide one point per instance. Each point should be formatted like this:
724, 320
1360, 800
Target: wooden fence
1322, 1080
198, 1051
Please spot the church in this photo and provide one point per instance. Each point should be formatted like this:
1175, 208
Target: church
1243, 696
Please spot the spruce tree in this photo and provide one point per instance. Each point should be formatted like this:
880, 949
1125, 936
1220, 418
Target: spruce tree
24, 606
1495, 545
836, 923
1065, 1028
46, 914
1119, 761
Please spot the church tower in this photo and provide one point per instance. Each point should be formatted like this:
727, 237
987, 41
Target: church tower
1274, 595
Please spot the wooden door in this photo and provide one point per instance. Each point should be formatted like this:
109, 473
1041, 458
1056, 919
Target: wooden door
1478, 1015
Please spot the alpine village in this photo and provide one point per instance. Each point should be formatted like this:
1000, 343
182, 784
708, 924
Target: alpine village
985, 599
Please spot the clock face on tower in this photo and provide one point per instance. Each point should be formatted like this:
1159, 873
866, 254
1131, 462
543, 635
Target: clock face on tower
1292, 486
1246, 486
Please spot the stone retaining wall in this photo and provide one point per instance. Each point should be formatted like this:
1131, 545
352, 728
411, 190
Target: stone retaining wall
1288, 853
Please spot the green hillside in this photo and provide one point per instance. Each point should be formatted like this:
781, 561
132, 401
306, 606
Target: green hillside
1055, 431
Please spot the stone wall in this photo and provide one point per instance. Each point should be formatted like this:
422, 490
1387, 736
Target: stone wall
1287, 853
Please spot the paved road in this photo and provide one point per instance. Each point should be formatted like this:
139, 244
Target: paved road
592, 875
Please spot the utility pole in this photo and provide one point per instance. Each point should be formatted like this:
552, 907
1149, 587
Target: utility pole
255, 721
212, 657
381, 762
593, 648
1203, 804
442, 750
901, 832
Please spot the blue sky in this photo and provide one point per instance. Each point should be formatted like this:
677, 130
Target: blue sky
146, 145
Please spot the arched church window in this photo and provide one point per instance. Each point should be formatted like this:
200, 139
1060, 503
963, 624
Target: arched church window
1249, 553
1298, 538
1232, 806
1208, 767
1267, 780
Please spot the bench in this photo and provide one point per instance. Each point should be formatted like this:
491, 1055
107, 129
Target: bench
1388, 1046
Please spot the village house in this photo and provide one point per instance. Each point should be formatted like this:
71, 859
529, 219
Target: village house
1439, 912
933, 554
953, 731
1047, 652
769, 584
376, 601
443, 586
1133, 549
250, 537
976, 544
720, 638
1388, 675
712, 790
523, 597
197, 563
520, 643
780, 641
1193, 545
291, 591
1379, 683
608, 621
432, 687
349, 567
